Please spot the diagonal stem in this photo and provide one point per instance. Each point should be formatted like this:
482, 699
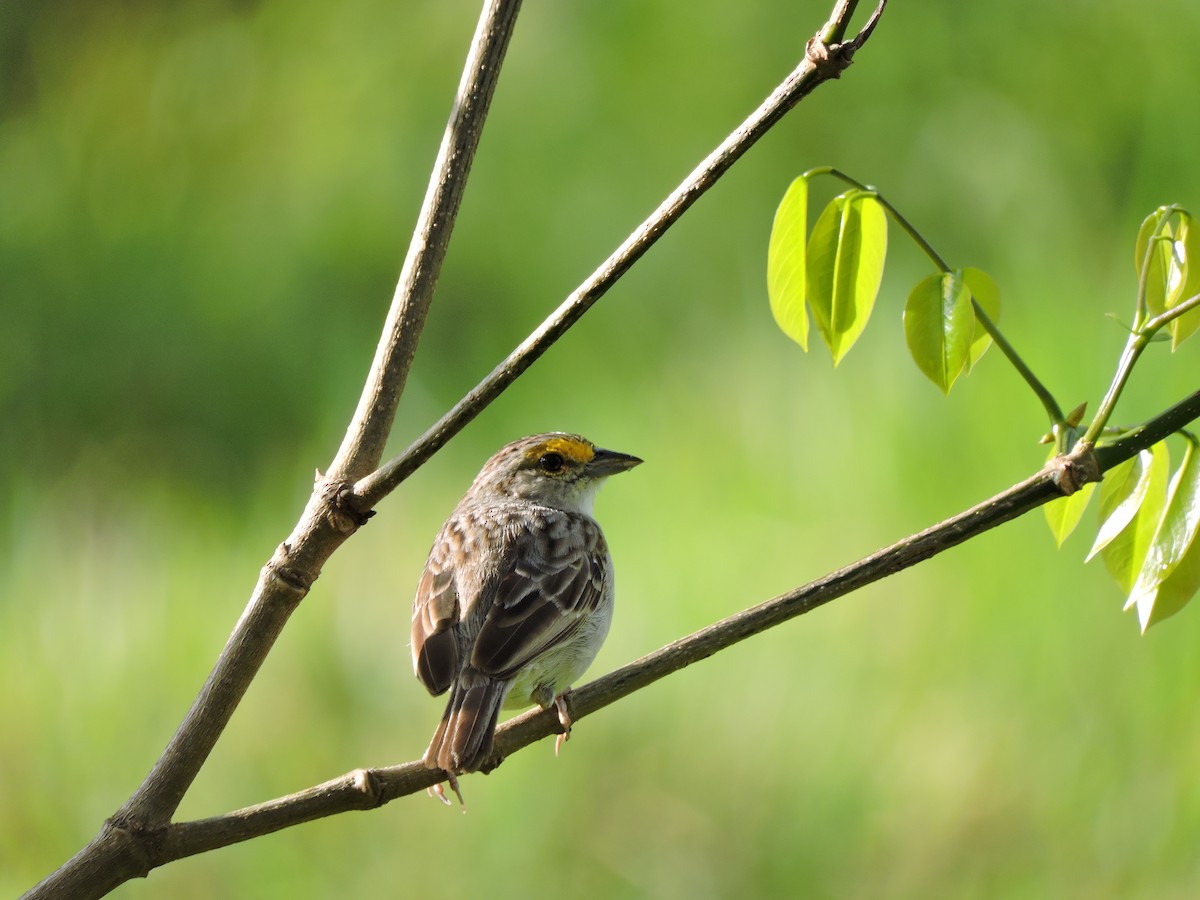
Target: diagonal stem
822, 62
1053, 410
132, 841
118, 852
370, 788
1138, 341
268, 610
362, 447
1049, 404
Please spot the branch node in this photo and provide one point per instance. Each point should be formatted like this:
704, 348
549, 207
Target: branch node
366, 782
143, 842
829, 60
280, 568
1073, 470
342, 507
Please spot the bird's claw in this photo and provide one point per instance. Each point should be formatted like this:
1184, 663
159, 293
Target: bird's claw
440, 793
564, 719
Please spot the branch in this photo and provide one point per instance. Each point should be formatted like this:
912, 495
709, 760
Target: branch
363, 444
822, 62
1138, 340
126, 845
370, 788
1049, 404
135, 839
1149, 433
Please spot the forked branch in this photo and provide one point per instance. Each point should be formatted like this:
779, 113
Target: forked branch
824, 60
140, 836
362, 447
126, 845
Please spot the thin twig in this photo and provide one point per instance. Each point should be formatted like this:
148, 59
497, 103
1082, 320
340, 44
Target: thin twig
1010, 353
897, 216
1049, 404
1137, 342
1132, 442
1165, 318
834, 31
362, 447
822, 62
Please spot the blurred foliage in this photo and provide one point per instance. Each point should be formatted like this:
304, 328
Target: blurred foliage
203, 209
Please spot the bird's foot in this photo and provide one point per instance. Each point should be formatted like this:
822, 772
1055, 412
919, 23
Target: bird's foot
564, 719
439, 792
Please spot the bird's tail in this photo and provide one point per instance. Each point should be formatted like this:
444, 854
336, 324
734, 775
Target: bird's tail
463, 740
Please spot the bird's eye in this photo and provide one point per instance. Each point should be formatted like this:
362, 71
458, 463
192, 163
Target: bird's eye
552, 463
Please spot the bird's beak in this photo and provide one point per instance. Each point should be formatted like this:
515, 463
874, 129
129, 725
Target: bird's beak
610, 462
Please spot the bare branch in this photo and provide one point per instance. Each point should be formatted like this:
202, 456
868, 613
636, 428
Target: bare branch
324, 526
126, 846
1149, 433
139, 836
822, 62
363, 444
370, 788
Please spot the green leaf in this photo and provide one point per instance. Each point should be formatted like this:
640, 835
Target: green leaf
987, 295
1187, 238
1173, 539
1148, 229
1125, 553
939, 324
1185, 326
1172, 267
1162, 271
785, 263
1178, 588
1166, 248
1154, 250
1121, 492
1063, 514
1181, 517
846, 251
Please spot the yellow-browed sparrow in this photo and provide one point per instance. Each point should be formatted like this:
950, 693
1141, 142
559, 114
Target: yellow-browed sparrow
517, 594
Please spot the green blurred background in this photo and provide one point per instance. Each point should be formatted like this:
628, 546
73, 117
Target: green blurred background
203, 208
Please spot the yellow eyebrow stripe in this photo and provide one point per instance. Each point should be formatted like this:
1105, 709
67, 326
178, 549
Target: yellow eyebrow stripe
575, 449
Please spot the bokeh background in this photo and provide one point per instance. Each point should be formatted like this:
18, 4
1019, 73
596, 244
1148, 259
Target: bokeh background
203, 208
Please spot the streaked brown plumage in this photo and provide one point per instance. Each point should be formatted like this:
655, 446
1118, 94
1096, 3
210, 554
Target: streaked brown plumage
517, 593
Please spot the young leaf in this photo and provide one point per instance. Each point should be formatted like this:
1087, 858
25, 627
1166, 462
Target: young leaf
1146, 231
1125, 554
1175, 592
785, 263
1173, 538
1170, 251
1187, 237
987, 295
845, 265
1121, 493
1153, 237
1164, 272
1181, 517
1063, 514
939, 324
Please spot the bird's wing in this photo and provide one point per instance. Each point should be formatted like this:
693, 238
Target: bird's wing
540, 601
435, 615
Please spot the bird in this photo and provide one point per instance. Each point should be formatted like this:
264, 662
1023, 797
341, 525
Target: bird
516, 596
